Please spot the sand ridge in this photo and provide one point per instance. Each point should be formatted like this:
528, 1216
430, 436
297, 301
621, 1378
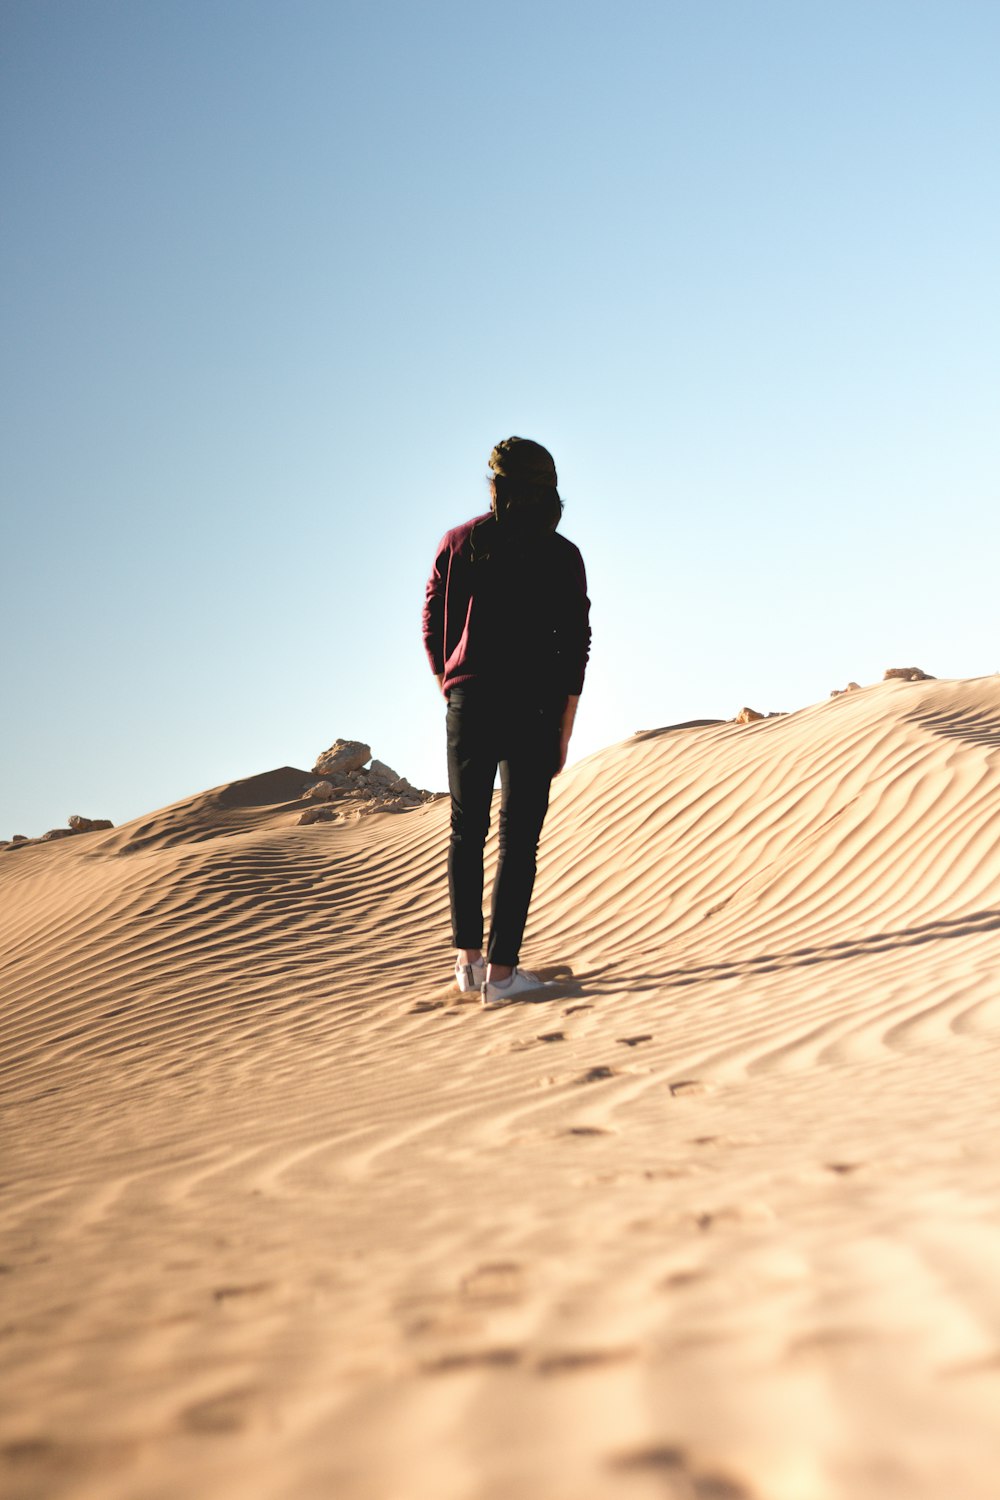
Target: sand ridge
285, 1216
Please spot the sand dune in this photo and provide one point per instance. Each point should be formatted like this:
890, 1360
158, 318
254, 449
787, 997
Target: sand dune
284, 1216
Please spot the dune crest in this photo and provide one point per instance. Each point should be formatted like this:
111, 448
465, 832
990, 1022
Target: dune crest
288, 1216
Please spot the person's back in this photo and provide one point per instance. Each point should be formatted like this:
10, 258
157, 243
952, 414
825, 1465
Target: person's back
506, 628
513, 616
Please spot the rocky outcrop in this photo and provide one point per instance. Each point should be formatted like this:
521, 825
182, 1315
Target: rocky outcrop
348, 788
343, 757
908, 674
319, 815
900, 674
322, 791
751, 716
343, 786
77, 824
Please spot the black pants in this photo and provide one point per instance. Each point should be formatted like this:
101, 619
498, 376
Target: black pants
521, 737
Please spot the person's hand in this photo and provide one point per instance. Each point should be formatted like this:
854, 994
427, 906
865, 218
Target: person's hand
439, 679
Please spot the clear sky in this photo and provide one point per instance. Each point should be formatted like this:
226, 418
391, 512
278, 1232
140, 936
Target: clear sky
276, 277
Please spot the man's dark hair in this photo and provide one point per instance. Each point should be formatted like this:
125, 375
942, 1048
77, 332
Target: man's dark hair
525, 505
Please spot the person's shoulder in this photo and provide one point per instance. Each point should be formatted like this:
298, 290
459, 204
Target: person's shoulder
457, 538
566, 549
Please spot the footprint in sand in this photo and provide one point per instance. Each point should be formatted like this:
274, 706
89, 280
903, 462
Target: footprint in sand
498, 1284
224, 1293
668, 1458
596, 1075
599, 1074
223, 1413
655, 1456
633, 1041
471, 1359
678, 1279
28, 1450
571, 1361
724, 1140
689, 1086
732, 1215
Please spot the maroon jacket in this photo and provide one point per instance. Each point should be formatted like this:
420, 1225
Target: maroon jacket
514, 616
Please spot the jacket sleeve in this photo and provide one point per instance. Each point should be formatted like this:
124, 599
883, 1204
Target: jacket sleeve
576, 626
433, 617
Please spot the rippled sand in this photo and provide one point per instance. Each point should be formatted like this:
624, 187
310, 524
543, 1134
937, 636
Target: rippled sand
284, 1216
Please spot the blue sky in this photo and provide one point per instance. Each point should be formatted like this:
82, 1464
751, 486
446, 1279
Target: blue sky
276, 277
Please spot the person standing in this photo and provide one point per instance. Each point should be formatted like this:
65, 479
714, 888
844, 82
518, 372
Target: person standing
506, 626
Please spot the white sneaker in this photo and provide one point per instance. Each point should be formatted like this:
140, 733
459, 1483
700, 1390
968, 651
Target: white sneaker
470, 976
519, 984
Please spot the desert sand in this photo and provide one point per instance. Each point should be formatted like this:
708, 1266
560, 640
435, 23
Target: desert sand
285, 1217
